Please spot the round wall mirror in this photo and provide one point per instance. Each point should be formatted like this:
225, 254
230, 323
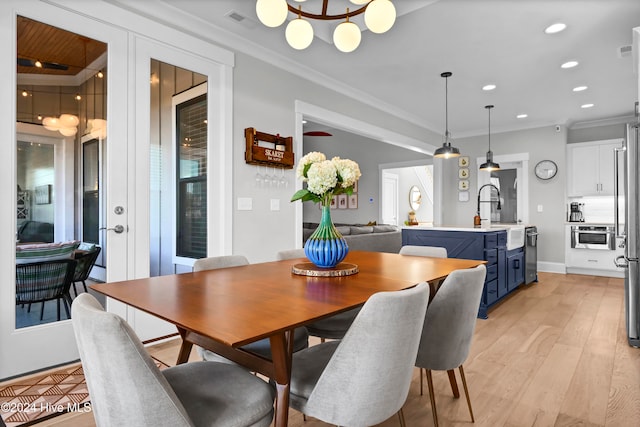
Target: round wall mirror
415, 198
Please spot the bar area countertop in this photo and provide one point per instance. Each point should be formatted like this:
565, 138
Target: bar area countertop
482, 229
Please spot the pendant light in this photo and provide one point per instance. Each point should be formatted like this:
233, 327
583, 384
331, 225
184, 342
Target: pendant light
447, 151
489, 165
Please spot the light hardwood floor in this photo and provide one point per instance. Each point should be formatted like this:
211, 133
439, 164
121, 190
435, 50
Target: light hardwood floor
553, 354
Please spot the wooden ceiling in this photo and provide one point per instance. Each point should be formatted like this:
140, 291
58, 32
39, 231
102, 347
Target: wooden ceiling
61, 52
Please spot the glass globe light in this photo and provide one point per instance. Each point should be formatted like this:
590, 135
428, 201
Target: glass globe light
68, 131
51, 123
347, 37
299, 34
69, 120
272, 13
359, 2
380, 16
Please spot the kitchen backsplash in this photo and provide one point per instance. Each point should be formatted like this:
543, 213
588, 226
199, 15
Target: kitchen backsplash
597, 209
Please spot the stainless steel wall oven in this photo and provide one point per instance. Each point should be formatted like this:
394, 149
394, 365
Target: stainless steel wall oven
593, 237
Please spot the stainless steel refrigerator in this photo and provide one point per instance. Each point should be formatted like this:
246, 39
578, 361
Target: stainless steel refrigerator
627, 161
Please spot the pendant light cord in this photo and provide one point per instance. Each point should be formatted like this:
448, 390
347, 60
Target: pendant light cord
489, 107
446, 108
489, 128
446, 76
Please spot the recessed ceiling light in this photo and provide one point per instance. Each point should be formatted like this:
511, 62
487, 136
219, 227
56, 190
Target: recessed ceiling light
555, 28
489, 87
586, 105
579, 88
569, 64
522, 116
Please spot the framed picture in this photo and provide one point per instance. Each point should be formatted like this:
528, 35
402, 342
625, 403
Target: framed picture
463, 161
353, 201
342, 201
463, 173
463, 185
463, 196
355, 187
43, 194
334, 203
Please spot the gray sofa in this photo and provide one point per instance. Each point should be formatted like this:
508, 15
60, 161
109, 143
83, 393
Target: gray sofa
35, 231
360, 237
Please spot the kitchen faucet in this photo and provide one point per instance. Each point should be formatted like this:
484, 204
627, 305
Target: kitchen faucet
476, 219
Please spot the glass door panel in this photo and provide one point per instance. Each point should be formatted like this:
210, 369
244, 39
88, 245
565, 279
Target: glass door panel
56, 105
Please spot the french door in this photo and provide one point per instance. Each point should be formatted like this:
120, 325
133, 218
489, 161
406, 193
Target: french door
36, 347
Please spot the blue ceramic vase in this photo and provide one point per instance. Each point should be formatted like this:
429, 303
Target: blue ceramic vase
326, 247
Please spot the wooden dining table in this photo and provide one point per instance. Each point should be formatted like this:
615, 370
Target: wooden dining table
222, 310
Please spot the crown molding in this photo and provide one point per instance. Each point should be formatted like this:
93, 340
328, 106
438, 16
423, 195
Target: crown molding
603, 122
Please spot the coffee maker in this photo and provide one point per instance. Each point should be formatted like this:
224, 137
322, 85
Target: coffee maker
575, 212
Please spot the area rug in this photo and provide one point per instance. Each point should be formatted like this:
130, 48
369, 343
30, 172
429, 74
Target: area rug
26, 401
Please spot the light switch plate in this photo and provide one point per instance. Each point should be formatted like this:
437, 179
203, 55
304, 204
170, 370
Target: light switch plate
245, 203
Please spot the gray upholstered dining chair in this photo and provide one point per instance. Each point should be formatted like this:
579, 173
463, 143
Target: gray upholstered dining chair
363, 379
448, 328
427, 251
261, 347
333, 327
290, 254
431, 251
127, 388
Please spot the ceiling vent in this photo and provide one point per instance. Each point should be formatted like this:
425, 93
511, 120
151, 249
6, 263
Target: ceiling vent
239, 18
625, 51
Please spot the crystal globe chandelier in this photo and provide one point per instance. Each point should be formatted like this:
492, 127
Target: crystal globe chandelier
379, 17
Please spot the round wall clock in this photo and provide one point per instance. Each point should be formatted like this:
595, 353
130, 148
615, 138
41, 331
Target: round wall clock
546, 169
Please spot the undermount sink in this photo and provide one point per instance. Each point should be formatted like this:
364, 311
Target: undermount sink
515, 235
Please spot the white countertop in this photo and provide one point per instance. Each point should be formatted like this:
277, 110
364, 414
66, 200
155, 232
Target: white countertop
484, 229
591, 223
515, 232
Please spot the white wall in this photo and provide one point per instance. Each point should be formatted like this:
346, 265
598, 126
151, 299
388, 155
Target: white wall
368, 153
264, 98
407, 178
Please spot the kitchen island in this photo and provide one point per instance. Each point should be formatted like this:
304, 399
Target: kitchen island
500, 245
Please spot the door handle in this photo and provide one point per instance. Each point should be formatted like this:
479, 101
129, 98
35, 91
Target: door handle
118, 229
616, 190
621, 264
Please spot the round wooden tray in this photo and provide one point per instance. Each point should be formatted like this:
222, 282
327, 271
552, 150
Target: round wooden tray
310, 269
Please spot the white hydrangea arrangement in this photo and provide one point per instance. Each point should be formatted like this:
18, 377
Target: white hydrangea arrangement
325, 178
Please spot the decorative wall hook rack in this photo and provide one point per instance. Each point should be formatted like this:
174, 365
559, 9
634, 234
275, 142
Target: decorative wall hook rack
268, 150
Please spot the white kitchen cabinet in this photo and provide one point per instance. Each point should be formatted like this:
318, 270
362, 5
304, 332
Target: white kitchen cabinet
590, 168
596, 262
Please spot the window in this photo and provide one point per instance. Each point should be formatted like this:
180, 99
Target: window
191, 185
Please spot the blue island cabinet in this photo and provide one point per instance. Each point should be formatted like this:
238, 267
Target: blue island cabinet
505, 269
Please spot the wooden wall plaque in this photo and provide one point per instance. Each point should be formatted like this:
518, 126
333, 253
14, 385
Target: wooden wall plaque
268, 150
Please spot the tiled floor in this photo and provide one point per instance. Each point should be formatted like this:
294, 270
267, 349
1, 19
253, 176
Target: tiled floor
26, 317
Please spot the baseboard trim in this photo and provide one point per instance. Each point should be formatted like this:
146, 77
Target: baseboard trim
551, 267
596, 272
